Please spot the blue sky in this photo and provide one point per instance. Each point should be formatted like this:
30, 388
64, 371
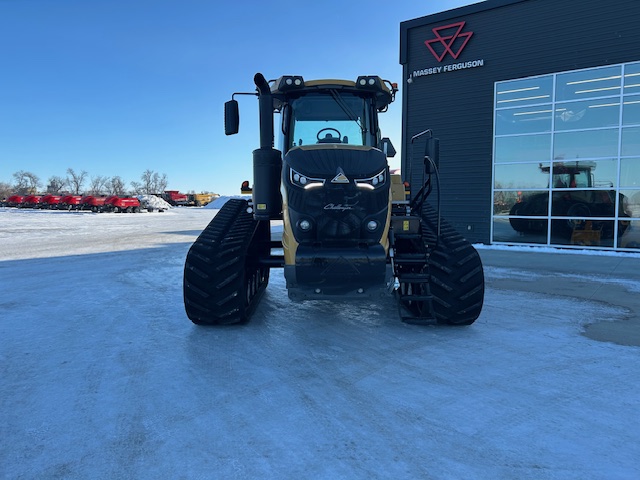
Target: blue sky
116, 87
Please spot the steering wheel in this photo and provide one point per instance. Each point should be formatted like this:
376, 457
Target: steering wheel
330, 139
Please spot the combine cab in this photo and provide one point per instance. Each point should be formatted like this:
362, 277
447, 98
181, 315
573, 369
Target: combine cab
350, 230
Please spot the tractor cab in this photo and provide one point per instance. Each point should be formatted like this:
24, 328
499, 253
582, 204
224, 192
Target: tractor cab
331, 111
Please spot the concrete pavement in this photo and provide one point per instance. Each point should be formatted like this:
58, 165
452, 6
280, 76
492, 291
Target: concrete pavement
613, 280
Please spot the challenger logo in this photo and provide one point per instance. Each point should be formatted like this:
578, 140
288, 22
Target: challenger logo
340, 207
449, 39
340, 178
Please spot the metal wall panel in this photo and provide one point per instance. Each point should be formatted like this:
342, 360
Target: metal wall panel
514, 39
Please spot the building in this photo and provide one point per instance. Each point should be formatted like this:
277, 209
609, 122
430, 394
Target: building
536, 104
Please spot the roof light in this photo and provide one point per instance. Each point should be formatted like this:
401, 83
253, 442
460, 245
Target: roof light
289, 82
373, 82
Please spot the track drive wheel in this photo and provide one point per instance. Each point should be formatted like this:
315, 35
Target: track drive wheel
457, 277
223, 280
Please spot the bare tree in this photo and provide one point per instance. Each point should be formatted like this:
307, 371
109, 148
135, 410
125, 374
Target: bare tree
56, 184
26, 182
76, 180
136, 188
98, 185
147, 181
160, 182
151, 183
5, 190
115, 186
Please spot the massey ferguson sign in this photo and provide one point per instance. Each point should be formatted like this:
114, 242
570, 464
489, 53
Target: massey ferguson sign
448, 41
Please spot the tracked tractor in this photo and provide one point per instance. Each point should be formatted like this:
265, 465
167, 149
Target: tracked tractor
351, 230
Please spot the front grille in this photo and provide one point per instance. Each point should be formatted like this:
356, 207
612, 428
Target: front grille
338, 211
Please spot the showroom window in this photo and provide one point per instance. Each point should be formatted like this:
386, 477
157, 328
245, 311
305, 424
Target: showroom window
566, 159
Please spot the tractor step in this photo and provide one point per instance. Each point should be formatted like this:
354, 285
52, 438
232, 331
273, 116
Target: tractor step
411, 258
414, 278
417, 298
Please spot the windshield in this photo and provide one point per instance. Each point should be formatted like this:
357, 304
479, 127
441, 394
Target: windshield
329, 117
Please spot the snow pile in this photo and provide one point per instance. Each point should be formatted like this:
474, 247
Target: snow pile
220, 201
559, 250
154, 202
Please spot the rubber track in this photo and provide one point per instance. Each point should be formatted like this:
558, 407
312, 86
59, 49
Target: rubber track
457, 277
216, 268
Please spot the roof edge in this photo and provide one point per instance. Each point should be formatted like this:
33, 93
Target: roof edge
445, 15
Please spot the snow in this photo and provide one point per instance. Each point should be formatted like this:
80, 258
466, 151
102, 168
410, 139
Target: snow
104, 377
561, 251
220, 201
153, 201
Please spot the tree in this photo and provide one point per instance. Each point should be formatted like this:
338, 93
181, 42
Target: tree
98, 185
115, 186
56, 184
26, 183
151, 183
76, 180
136, 188
5, 190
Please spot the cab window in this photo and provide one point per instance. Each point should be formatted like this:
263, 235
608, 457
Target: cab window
328, 118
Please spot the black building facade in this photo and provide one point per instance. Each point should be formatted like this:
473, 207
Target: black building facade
537, 107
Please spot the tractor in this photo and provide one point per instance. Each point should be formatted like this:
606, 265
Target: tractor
575, 196
351, 229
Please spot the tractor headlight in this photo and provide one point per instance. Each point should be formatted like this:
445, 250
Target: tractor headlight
304, 181
372, 183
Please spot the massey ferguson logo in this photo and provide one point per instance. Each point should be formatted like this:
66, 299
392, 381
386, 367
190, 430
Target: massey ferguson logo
449, 39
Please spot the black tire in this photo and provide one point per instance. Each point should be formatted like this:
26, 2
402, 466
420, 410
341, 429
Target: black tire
518, 224
223, 281
577, 210
457, 276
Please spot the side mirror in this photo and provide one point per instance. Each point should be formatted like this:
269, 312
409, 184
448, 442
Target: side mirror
231, 117
387, 147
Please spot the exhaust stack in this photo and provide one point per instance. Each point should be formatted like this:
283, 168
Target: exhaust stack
267, 161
